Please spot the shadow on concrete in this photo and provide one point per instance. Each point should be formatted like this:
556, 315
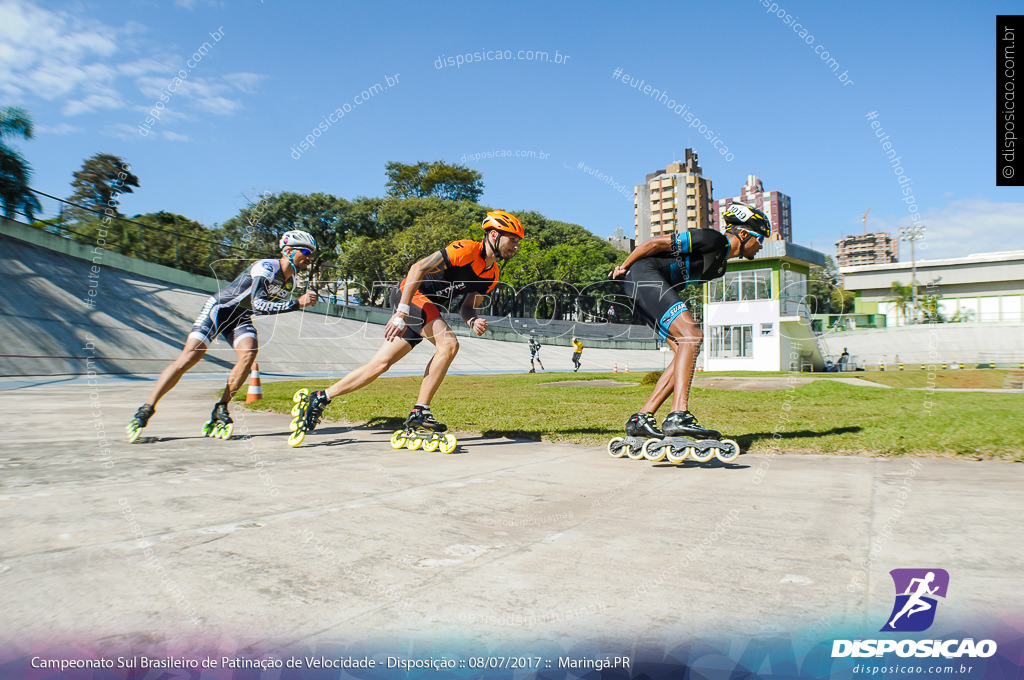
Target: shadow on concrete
746, 440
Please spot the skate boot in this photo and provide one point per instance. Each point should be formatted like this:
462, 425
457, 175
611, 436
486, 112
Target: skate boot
423, 431
139, 421
532, 370
308, 411
685, 437
639, 428
220, 424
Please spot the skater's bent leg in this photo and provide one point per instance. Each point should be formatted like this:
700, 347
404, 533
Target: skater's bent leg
246, 348
386, 357
447, 346
189, 357
688, 338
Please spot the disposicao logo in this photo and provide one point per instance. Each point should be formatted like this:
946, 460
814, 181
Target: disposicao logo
914, 609
913, 612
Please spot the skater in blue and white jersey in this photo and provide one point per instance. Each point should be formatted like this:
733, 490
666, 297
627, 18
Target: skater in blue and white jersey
263, 288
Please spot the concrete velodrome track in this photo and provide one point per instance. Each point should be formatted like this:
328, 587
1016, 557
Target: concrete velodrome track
181, 537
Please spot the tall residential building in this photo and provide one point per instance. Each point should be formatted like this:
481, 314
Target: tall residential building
862, 249
674, 199
774, 204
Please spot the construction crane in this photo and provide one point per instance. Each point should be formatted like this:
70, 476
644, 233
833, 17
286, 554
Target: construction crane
864, 219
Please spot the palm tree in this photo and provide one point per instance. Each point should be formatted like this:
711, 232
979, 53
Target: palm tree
901, 296
15, 195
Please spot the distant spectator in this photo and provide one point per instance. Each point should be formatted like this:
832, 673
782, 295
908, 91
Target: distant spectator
611, 313
844, 359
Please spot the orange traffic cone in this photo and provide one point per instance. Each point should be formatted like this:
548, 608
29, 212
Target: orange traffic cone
615, 367
627, 367
255, 392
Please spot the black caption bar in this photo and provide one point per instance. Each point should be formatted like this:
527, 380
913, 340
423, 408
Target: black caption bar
1009, 147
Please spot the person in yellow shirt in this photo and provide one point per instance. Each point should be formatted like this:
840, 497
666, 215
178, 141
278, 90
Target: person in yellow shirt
577, 352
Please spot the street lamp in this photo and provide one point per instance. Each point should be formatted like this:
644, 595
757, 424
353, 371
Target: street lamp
914, 233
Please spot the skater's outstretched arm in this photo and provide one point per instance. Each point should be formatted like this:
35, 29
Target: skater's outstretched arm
468, 313
263, 304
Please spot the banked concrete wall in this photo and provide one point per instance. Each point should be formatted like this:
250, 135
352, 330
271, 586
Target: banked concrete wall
69, 308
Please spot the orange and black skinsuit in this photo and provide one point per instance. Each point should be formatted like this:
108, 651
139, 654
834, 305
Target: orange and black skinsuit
465, 273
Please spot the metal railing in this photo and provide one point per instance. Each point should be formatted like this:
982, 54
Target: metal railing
185, 252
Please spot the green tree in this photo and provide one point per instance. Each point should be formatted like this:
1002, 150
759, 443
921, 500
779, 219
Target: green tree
901, 296
438, 179
824, 294
259, 226
15, 173
179, 242
97, 185
930, 311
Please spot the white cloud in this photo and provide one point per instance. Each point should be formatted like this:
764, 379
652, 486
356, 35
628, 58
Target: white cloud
963, 227
93, 102
58, 129
50, 54
175, 137
244, 82
90, 66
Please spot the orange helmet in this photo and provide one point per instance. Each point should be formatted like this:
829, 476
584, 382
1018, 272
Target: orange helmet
504, 222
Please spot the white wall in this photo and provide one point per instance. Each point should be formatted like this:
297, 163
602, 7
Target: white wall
766, 349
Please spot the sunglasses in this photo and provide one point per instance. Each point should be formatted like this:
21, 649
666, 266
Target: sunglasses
759, 237
305, 251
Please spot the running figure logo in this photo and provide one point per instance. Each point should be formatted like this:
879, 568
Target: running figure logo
914, 610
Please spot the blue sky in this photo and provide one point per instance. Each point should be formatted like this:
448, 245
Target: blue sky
90, 72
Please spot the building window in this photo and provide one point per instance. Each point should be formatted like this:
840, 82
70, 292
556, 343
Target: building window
732, 342
743, 286
793, 296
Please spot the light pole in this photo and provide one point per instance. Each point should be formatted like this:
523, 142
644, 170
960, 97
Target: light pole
914, 233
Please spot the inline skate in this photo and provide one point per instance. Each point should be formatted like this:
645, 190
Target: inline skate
308, 411
220, 424
423, 431
683, 438
139, 421
639, 428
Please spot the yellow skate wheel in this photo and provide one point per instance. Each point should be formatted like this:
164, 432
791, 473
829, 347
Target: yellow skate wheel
702, 456
731, 454
133, 432
300, 395
208, 429
296, 423
226, 430
448, 443
653, 452
637, 454
617, 447
297, 409
398, 440
431, 445
679, 455
413, 443
296, 438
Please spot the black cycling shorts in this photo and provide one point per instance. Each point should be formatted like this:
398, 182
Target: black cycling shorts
657, 303
231, 323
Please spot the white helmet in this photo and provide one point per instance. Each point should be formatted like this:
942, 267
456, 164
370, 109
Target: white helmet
298, 238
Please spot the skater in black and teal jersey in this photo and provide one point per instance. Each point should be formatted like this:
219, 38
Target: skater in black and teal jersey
654, 274
262, 289
465, 269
